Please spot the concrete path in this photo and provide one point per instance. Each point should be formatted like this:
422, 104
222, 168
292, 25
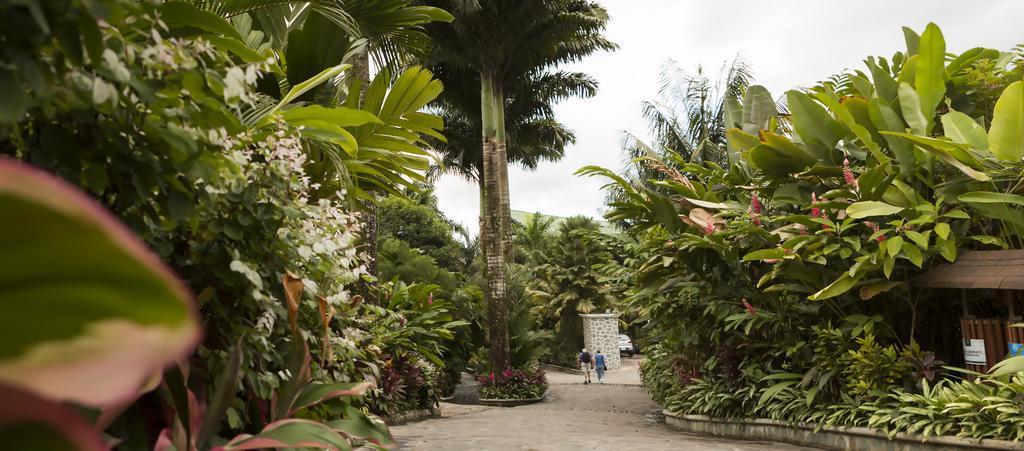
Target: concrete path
617, 415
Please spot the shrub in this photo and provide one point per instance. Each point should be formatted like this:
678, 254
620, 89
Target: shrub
514, 384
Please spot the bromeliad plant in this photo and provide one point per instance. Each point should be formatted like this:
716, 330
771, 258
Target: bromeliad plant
513, 384
868, 179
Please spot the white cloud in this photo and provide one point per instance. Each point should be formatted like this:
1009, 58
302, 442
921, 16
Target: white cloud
788, 43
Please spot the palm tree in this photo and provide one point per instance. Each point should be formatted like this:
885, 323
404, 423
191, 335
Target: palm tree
566, 283
686, 122
498, 42
533, 134
688, 118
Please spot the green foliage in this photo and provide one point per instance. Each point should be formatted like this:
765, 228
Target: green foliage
514, 384
869, 180
566, 284
170, 125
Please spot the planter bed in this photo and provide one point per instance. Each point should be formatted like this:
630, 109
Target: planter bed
411, 416
839, 438
510, 402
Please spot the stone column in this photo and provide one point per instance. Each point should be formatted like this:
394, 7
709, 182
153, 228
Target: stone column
601, 332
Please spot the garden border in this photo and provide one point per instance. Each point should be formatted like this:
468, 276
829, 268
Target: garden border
548, 366
827, 437
411, 416
511, 402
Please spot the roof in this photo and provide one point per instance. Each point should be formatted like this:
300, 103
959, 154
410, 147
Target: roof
978, 269
523, 217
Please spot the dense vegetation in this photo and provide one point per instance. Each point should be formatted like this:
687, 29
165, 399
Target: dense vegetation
776, 284
236, 151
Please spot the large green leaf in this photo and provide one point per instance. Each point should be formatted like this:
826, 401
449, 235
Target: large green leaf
291, 433
776, 163
758, 107
87, 313
951, 153
910, 106
962, 129
1006, 136
178, 14
869, 208
989, 197
812, 121
930, 77
885, 118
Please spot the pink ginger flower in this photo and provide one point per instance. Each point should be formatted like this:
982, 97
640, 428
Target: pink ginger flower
755, 205
430, 299
848, 175
874, 229
709, 228
750, 308
756, 219
771, 260
815, 211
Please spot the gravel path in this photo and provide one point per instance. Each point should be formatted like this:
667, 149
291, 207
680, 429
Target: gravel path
617, 415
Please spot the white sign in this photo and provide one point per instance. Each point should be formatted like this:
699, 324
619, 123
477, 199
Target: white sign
974, 351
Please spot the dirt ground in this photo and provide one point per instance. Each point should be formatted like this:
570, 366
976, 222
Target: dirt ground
617, 415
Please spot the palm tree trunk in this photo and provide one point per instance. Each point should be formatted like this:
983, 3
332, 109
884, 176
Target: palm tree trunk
495, 217
361, 71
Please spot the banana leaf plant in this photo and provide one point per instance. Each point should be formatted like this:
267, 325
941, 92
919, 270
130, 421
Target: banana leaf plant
869, 174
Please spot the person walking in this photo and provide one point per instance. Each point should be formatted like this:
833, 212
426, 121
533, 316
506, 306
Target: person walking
586, 363
599, 366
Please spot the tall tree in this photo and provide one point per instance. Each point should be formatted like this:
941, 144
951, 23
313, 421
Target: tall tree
500, 41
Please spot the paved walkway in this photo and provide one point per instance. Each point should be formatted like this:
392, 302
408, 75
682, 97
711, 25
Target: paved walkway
617, 415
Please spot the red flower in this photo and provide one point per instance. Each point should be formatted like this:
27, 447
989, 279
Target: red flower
755, 205
750, 308
430, 299
848, 175
815, 211
709, 228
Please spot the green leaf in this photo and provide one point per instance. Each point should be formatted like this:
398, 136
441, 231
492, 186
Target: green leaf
302, 88
758, 107
841, 285
87, 312
179, 14
962, 129
16, 99
930, 77
869, 208
764, 254
912, 39
774, 390
917, 237
989, 197
358, 425
291, 433
874, 289
951, 153
913, 254
812, 121
942, 230
316, 393
1006, 135
1012, 365
894, 245
910, 105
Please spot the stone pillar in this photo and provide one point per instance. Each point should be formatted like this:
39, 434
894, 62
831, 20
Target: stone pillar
601, 332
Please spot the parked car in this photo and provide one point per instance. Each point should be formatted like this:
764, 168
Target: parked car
626, 345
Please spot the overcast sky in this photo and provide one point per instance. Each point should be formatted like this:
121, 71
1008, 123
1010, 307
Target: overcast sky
788, 43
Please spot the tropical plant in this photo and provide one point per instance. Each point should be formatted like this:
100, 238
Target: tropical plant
500, 41
566, 284
871, 178
513, 384
152, 109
